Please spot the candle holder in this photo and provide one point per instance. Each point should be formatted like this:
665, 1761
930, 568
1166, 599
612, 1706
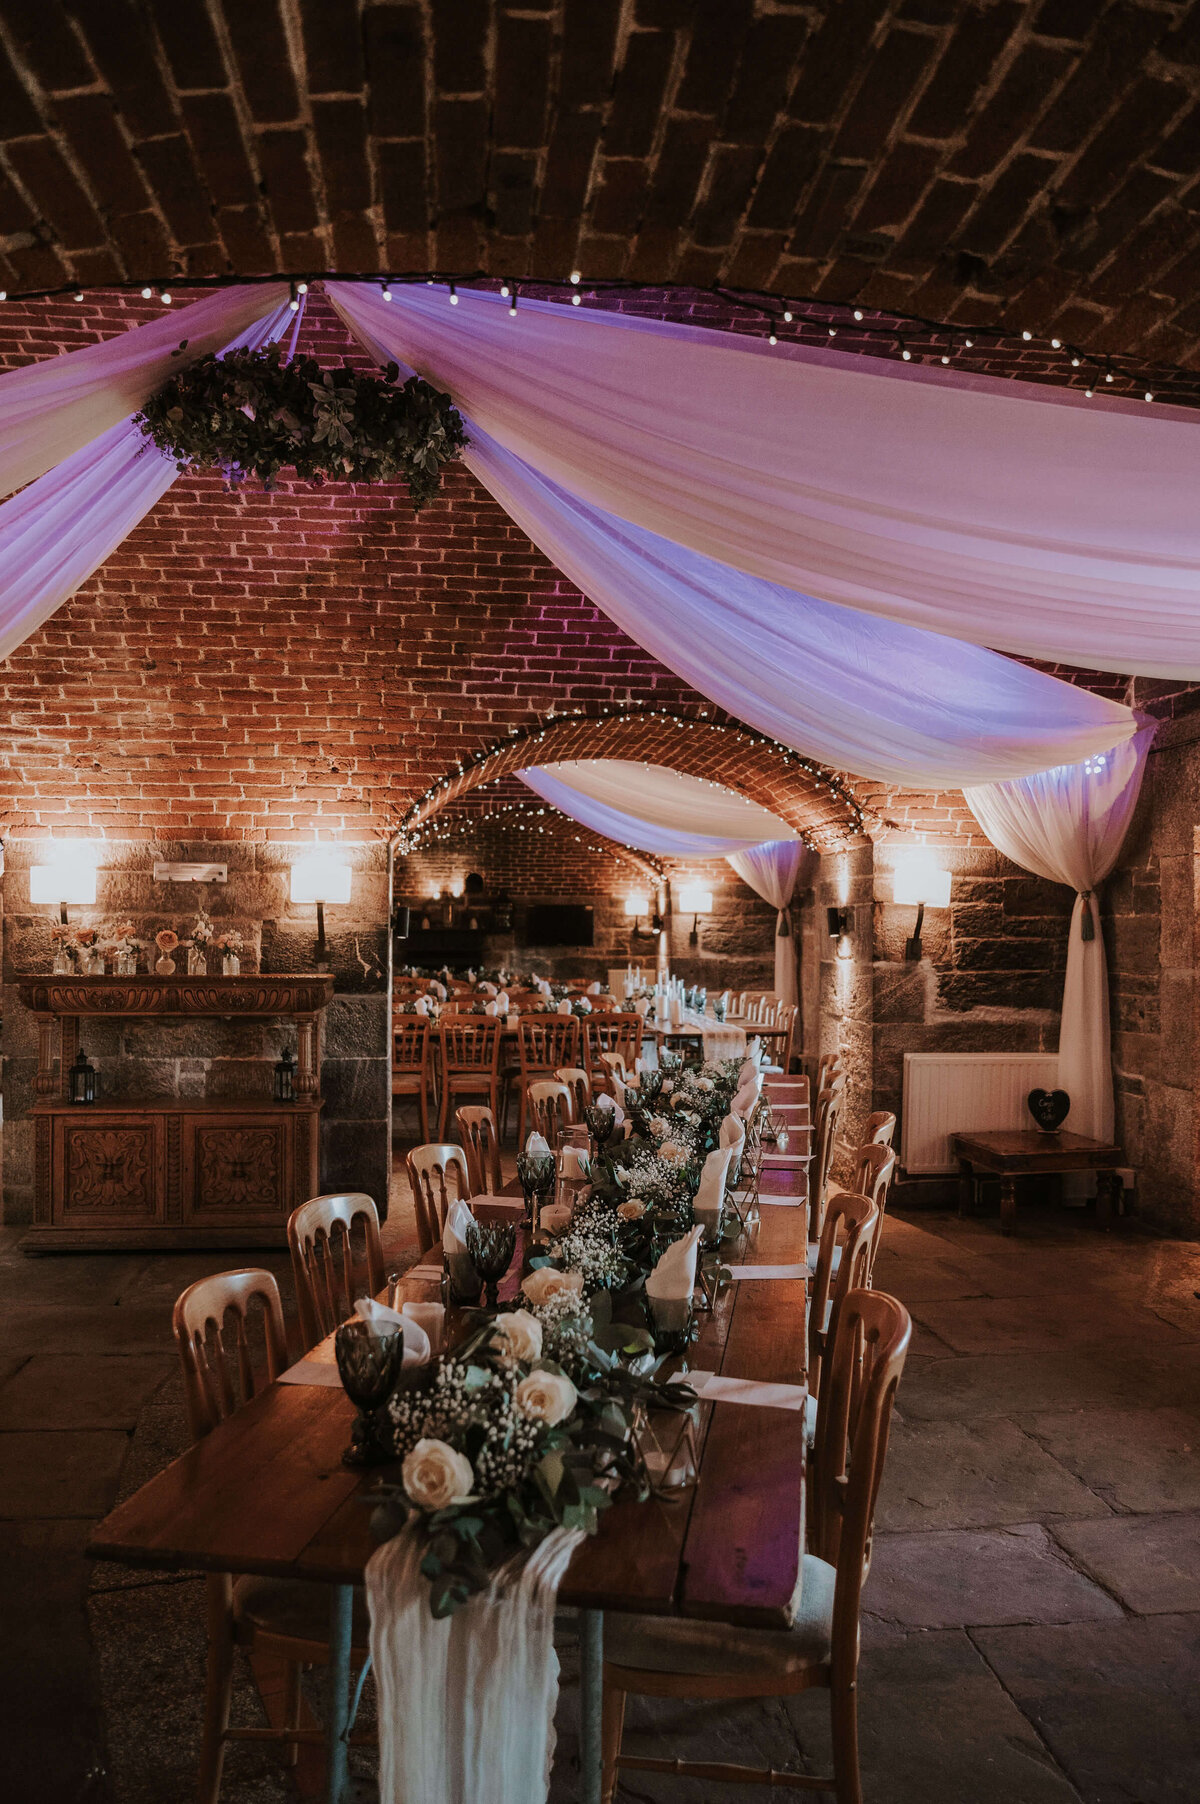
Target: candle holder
369, 1366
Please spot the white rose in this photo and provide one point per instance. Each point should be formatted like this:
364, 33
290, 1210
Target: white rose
659, 1124
546, 1282
621, 1173
704, 1083
434, 1475
522, 1332
631, 1211
547, 1397
668, 1084
672, 1153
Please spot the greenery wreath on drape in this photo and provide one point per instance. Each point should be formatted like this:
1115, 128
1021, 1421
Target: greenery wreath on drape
255, 413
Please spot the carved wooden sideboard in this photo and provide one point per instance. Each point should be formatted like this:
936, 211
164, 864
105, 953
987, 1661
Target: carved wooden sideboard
172, 1171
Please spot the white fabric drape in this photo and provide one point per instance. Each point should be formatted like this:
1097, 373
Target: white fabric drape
466, 1705
772, 871
52, 408
1016, 516
654, 808
60, 528
1068, 825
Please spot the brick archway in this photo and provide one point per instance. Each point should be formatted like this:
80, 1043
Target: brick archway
816, 802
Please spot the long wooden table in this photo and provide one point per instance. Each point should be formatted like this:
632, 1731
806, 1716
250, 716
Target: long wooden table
266, 1492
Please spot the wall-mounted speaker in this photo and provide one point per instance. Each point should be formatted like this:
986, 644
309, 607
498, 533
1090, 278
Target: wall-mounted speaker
400, 916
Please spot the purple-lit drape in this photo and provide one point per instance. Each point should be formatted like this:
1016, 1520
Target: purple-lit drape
655, 809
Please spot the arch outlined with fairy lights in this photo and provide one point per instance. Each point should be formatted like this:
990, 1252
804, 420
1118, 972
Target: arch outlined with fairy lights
813, 800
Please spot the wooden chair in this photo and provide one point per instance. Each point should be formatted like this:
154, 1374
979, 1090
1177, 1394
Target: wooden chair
785, 1017
287, 1618
830, 1103
550, 1108
829, 1065
579, 1084
412, 1062
470, 1058
481, 1143
880, 1127
329, 1283
843, 1259
874, 1168
544, 1042
612, 1031
673, 1657
428, 1167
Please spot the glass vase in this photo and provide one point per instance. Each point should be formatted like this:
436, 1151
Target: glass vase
94, 965
164, 966
125, 964
62, 966
197, 964
231, 965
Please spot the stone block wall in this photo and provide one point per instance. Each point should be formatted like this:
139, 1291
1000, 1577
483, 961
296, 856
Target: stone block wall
214, 1058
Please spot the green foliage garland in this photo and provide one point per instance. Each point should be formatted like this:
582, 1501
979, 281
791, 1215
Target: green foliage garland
251, 413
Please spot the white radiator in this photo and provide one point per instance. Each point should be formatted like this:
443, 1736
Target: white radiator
963, 1092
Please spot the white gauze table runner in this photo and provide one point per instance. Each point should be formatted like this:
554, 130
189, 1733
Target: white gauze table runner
466, 1705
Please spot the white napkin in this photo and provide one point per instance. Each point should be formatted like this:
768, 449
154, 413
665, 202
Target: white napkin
542, 985
421, 1006
486, 989
502, 1001
706, 1205
564, 1007
382, 1320
747, 1070
454, 1244
754, 1051
593, 989
537, 1146
605, 1101
492, 1009
671, 1283
747, 1096
641, 1007
585, 1005
724, 997
733, 1133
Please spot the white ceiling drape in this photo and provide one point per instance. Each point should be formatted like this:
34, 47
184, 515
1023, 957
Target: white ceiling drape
66, 522
1009, 514
772, 871
656, 809
1069, 825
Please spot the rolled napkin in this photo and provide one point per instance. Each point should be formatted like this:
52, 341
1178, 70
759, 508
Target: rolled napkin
537, 1146
421, 1005
564, 1007
502, 1001
733, 1133
746, 1098
754, 1051
540, 984
671, 1283
486, 989
723, 998
593, 989
641, 1007
381, 1320
459, 1263
746, 1070
706, 1205
492, 1009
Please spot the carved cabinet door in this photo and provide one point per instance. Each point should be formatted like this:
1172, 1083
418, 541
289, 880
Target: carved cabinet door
236, 1170
108, 1170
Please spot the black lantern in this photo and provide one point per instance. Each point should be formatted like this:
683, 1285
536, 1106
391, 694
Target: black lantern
83, 1079
285, 1073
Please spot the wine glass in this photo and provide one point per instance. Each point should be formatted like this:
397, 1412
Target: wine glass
601, 1123
537, 1172
491, 1246
368, 1365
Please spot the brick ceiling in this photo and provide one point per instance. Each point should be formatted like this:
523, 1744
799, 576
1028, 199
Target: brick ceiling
1030, 163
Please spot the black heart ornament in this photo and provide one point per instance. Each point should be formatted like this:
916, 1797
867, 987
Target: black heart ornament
1049, 1108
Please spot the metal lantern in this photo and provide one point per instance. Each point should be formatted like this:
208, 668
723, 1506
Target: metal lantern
285, 1073
83, 1079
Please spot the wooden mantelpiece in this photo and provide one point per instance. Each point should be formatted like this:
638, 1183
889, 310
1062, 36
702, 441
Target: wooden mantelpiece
171, 1171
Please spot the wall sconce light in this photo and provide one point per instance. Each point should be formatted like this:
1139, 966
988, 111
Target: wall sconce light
635, 907
695, 900
919, 881
71, 878
321, 877
840, 922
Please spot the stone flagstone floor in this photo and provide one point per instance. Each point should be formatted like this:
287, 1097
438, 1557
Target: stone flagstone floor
1032, 1626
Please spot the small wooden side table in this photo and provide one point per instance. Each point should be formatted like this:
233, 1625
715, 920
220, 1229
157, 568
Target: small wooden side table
1019, 1153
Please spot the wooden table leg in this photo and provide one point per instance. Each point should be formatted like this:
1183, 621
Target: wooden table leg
1008, 1205
591, 1698
966, 1186
337, 1694
1109, 1185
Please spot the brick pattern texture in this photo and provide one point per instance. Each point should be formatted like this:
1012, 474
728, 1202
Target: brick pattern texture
1028, 163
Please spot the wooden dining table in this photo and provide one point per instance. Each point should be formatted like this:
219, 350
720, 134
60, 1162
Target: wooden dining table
266, 1492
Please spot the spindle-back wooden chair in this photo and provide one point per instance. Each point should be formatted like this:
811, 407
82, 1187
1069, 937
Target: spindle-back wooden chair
412, 1062
544, 1042
481, 1143
550, 1109
470, 1059
329, 1273
429, 1168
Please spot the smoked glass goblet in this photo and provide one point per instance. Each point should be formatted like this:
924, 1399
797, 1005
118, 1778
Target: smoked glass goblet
491, 1246
368, 1365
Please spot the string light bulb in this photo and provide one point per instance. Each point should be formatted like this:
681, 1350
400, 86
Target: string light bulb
147, 293
387, 293
832, 330
576, 277
1149, 395
512, 306
504, 291
165, 298
1028, 337
301, 287
293, 298
1075, 362
969, 342
787, 314
771, 339
79, 294
1056, 344
576, 300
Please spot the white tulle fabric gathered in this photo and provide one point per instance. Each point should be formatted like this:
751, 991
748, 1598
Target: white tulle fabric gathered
466, 1704
1068, 825
773, 871
654, 808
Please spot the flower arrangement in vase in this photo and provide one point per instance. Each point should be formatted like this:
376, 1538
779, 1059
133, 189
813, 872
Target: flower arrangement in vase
123, 949
166, 941
198, 942
91, 959
230, 946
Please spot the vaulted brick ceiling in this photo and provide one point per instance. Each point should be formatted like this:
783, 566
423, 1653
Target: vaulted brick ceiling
1025, 162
